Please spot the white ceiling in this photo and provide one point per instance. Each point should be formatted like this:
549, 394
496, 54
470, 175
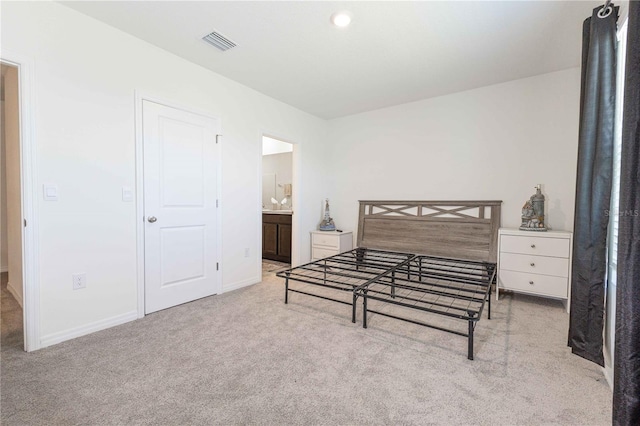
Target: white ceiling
392, 53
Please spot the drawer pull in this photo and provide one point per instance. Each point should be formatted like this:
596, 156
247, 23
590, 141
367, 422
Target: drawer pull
531, 282
533, 246
533, 264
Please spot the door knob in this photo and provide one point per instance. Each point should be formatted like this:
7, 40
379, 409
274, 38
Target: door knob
152, 219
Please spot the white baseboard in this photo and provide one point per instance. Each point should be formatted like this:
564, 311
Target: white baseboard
83, 330
15, 293
240, 284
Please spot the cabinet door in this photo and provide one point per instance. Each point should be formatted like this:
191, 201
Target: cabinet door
269, 239
284, 240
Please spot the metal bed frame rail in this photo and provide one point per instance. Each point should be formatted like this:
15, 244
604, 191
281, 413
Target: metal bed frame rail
344, 272
449, 287
453, 288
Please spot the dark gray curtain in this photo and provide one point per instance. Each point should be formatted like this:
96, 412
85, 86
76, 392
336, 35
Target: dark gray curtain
626, 367
593, 185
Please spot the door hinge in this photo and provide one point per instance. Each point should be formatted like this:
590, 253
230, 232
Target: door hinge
25, 223
217, 203
217, 266
217, 136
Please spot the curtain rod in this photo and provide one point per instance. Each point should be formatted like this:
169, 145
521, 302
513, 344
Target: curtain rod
606, 9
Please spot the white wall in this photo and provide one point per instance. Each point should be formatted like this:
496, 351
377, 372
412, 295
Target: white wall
85, 77
4, 249
11, 130
281, 165
492, 143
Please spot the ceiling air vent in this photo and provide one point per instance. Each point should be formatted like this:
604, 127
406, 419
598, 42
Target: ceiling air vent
219, 41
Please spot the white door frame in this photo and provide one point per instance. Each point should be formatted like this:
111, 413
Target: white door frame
30, 263
295, 196
140, 218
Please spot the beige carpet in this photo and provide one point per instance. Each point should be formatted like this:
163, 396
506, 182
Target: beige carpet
245, 357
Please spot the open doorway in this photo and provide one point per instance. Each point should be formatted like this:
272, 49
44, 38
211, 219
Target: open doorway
11, 218
277, 204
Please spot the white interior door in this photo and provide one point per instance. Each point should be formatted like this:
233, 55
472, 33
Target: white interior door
180, 192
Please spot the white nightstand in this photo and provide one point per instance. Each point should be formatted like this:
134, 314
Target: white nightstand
328, 243
537, 263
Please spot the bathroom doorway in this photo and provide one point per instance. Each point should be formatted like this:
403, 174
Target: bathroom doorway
11, 218
277, 204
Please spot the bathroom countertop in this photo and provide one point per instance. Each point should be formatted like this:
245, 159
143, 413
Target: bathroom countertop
289, 212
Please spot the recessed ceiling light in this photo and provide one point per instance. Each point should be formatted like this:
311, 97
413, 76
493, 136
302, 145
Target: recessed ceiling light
341, 19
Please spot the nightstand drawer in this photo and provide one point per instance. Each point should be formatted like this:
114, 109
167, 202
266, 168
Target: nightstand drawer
321, 253
329, 240
556, 266
542, 246
532, 283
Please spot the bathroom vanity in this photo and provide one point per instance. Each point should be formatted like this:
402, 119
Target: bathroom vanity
276, 235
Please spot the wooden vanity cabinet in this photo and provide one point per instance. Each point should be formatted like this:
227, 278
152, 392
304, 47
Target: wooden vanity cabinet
276, 237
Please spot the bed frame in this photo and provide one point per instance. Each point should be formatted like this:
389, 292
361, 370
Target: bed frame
414, 257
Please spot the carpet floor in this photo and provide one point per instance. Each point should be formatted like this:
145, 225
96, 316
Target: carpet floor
244, 357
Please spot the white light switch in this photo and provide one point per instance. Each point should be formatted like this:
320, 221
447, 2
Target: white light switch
127, 194
50, 192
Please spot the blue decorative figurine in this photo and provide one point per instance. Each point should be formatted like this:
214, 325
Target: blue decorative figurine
327, 223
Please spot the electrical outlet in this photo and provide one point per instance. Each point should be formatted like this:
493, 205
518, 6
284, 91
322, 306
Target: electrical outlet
246, 252
79, 281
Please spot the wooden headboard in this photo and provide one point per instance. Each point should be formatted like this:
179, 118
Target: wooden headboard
456, 229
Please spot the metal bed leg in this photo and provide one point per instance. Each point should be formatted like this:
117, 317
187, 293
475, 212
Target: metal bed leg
470, 348
359, 258
325, 271
420, 269
364, 310
489, 296
286, 291
353, 308
490, 271
393, 285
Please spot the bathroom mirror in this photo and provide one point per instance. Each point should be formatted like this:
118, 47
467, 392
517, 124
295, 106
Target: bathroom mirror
268, 189
277, 174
